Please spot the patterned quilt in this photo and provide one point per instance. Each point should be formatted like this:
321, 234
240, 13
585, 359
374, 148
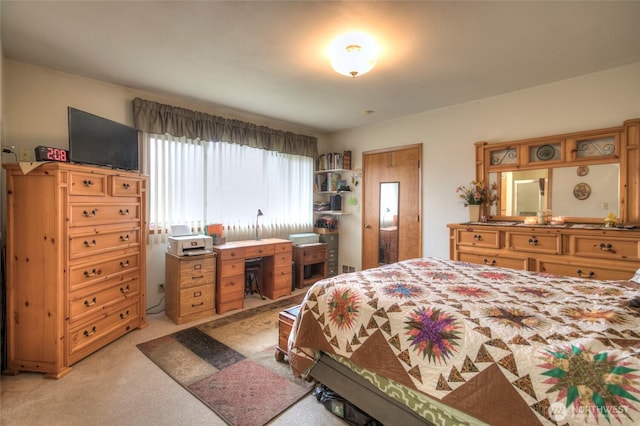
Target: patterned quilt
505, 346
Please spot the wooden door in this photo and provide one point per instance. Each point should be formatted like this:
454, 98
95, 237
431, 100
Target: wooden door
380, 169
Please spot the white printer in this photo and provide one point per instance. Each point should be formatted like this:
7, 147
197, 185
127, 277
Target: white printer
182, 243
190, 245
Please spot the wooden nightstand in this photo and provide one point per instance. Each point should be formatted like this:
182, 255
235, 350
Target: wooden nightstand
285, 324
190, 287
311, 263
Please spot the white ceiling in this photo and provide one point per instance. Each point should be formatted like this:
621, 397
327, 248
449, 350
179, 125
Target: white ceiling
269, 57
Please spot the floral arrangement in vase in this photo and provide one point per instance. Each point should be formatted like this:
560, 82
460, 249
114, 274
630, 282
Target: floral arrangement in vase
477, 194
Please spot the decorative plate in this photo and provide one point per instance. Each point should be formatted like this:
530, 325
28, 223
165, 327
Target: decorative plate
582, 191
582, 170
545, 152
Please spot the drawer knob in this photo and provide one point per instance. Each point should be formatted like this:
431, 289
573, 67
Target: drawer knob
486, 262
125, 290
93, 212
477, 237
583, 275
123, 315
124, 264
91, 273
88, 303
124, 212
533, 241
88, 333
197, 304
124, 237
607, 247
197, 277
126, 185
88, 183
90, 244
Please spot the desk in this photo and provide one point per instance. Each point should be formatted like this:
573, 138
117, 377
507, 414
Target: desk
275, 270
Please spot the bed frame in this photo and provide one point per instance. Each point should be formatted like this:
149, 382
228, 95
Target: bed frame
363, 394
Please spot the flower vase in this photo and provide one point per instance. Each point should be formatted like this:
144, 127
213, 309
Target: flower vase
474, 212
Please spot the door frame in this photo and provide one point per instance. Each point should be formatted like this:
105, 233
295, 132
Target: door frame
419, 197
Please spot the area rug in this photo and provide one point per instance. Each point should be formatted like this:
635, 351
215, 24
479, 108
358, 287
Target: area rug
229, 364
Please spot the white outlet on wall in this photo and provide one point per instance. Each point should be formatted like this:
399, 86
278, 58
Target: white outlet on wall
25, 154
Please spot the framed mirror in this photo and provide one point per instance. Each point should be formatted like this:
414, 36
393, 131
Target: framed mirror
576, 191
582, 176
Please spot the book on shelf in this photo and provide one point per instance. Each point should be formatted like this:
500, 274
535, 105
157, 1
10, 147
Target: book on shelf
334, 161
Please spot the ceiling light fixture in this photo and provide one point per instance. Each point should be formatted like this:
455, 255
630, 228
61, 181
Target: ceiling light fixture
353, 54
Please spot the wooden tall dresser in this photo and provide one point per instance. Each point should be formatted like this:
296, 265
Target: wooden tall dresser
75, 263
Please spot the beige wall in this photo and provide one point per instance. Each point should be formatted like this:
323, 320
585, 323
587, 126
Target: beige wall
591, 101
35, 113
35, 104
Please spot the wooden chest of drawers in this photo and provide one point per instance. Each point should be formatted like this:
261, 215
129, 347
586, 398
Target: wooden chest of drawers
587, 251
77, 232
190, 287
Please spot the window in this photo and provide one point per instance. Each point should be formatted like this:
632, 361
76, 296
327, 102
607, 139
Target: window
198, 183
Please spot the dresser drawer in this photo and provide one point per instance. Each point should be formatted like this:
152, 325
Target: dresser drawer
96, 298
231, 254
534, 243
259, 251
87, 244
230, 268
85, 214
92, 335
196, 271
87, 184
282, 284
231, 288
605, 247
314, 255
196, 299
282, 259
283, 247
584, 271
495, 260
122, 186
478, 238
88, 273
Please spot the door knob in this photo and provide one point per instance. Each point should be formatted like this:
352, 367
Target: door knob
367, 227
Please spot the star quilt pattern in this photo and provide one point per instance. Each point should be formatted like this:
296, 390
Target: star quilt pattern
494, 343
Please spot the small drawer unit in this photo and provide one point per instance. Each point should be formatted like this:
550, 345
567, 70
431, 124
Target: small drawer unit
277, 272
310, 263
190, 287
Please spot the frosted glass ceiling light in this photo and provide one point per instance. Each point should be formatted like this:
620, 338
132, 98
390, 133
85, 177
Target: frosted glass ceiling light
353, 54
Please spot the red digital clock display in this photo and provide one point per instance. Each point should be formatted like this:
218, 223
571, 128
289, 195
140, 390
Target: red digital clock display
48, 153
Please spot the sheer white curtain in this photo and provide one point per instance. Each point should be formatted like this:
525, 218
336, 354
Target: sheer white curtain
198, 183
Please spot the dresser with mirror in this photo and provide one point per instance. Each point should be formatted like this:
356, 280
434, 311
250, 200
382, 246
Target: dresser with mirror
577, 179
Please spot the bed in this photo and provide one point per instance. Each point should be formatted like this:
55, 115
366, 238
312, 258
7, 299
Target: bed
445, 342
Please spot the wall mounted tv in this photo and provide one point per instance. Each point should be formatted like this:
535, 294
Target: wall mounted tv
102, 142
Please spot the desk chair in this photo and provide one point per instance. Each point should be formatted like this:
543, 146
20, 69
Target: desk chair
252, 277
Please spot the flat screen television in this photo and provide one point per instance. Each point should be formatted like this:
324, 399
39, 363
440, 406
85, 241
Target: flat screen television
102, 142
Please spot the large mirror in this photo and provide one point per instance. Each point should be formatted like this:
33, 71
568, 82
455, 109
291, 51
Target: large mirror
590, 191
388, 226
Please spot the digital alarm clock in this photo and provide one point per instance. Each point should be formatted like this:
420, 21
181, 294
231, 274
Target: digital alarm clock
49, 153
